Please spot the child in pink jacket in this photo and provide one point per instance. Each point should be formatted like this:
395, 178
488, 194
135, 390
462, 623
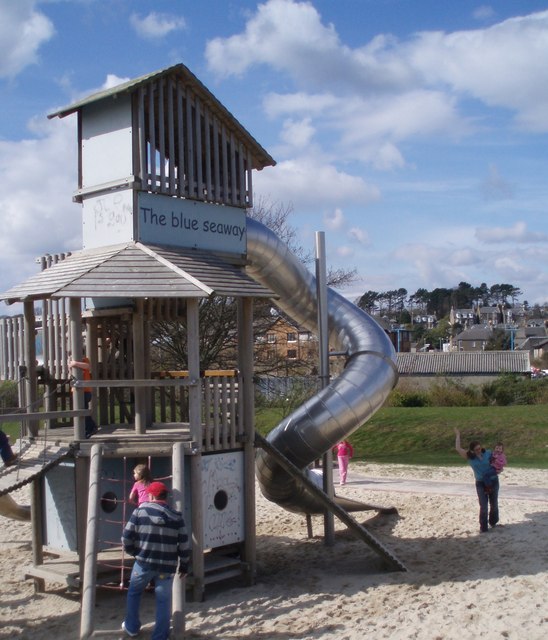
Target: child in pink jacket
344, 452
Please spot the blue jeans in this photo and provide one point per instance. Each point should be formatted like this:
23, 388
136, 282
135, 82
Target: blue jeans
5, 449
141, 575
489, 504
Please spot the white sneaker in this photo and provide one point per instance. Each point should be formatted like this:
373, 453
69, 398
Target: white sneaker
130, 634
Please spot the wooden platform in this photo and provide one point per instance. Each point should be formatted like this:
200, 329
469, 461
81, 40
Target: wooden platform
64, 568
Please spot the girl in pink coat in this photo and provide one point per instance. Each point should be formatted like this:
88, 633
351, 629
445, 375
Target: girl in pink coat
344, 452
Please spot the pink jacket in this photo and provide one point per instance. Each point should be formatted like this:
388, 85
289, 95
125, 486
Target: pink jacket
344, 448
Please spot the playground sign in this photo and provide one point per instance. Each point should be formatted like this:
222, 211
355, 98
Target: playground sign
190, 223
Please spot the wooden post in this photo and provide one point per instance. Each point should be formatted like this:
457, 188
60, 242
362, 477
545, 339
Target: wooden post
179, 583
139, 366
90, 559
195, 422
30, 361
36, 513
75, 312
247, 405
91, 353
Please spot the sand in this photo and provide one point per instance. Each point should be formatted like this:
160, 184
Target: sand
458, 584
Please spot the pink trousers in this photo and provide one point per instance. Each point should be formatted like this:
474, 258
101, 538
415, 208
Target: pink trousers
343, 468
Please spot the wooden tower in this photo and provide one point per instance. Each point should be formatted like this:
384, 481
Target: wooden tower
164, 180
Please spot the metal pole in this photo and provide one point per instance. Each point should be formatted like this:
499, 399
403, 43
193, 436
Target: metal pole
323, 344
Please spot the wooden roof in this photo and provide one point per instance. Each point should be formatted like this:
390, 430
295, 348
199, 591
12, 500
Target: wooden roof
135, 270
464, 363
261, 157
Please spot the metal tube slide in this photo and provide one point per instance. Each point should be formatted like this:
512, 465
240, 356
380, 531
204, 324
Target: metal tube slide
348, 401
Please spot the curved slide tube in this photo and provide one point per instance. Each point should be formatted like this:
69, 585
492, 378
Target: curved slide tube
347, 402
10, 509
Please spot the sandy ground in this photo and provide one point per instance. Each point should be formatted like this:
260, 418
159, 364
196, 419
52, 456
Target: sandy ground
458, 584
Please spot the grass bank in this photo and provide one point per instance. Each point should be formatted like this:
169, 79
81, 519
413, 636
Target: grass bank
425, 435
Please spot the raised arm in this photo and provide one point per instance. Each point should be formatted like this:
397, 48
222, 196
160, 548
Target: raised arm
79, 364
458, 447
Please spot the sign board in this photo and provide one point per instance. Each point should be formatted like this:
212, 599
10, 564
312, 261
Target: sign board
189, 223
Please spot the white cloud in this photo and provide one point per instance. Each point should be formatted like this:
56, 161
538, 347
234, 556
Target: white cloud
503, 65
379, 95
23, 30
517, 233
155, 25
38, 219
282, 33
312, 186
334, 219
344, 251
297, 134
358, 235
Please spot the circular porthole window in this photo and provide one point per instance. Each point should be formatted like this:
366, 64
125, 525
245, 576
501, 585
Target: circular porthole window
109, 502
220, 500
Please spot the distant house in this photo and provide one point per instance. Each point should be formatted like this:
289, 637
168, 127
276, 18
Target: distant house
470, 367
285, 342
532, 338
473, 339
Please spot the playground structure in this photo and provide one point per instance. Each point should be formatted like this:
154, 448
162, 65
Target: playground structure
165, 176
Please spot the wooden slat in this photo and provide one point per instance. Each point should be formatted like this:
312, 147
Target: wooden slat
181, 184
224, 164
198, 148
216, 162
233, 171
207, 153
171, 135
241, 175
249, 195
190, 144
142, 137
161, 136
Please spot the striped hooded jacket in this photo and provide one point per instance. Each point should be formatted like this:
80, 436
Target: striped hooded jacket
156, 535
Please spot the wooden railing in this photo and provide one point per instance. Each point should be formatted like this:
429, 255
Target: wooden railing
219, 405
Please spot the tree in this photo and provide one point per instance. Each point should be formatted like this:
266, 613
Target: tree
368, 301
464, 296
499, 341
420, 298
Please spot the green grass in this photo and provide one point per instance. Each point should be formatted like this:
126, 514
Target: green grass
425, 435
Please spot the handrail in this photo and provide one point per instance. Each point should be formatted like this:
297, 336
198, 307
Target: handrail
44, 415
147, 382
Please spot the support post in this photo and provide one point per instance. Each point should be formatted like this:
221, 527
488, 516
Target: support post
75, 313
247, 404
323, 342
36, 514
30, 361
139, 366
90, 559
195, 420
179, 583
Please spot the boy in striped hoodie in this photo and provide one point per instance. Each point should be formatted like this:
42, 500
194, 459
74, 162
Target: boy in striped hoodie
156, 536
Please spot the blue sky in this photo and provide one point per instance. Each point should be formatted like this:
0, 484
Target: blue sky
413, 132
